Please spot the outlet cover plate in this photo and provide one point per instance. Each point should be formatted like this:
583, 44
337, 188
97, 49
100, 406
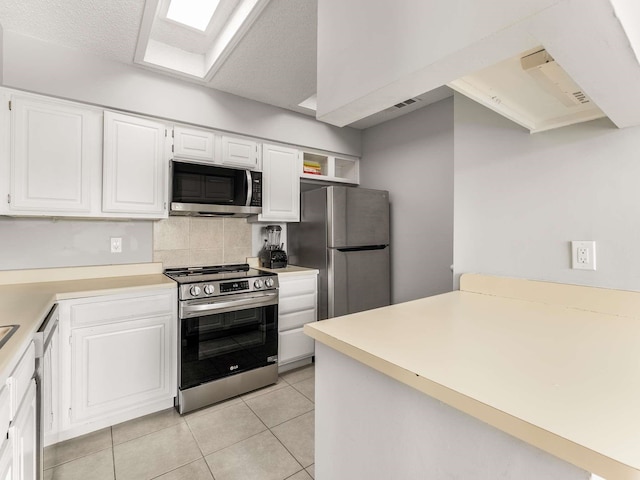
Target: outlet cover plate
583, 254
116, 245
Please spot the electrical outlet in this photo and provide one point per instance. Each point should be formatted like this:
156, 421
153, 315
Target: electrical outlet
116, 245
583, 254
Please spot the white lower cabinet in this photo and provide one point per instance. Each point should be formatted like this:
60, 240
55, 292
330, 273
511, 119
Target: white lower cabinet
22, 435
18, 421
6, 460
297, 306
118, 359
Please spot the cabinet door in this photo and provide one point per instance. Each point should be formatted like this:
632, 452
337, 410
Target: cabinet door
55, 152
136, 166
281, 184
240, 152
6, 460
120, 366
22, 435
193, 143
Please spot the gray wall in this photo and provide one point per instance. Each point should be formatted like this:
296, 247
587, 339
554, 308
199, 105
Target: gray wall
47, 243
33, 65
520, 199
412, 157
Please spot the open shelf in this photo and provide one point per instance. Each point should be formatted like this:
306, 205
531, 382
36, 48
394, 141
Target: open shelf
331, 168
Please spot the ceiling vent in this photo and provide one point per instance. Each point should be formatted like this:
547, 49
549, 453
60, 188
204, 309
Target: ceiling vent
406, 103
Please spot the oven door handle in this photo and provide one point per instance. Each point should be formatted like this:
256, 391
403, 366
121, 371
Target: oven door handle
260, 300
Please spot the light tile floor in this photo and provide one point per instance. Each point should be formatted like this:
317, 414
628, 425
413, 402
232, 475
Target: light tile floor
263, 435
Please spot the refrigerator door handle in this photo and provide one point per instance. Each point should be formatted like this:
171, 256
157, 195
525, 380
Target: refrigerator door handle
359, 249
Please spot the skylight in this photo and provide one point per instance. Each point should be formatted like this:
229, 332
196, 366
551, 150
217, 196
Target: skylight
193, 38
193, 13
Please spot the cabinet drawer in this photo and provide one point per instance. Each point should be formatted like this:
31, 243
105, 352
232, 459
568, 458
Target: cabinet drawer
18, 381
294, 304
112, 310
294, 345
288, 321
297, 285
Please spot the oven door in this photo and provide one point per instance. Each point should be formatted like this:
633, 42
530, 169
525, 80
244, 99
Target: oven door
227, 335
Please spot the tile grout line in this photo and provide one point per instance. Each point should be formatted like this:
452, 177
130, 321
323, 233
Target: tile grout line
276, 437
113, 453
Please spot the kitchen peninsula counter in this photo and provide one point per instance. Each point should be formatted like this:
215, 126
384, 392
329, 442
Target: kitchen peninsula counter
556, 366
26, 296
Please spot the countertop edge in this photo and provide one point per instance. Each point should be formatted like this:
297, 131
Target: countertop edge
291, 270
58, 274
545, 440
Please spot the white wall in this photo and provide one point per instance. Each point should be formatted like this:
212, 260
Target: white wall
47, 243
41, 67
412, 157
360, 55
520, 199
404, 48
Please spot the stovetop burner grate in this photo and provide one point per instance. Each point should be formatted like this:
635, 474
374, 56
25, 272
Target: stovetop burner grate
206, 270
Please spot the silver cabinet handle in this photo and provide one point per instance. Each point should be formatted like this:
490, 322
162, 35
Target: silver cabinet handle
249, 187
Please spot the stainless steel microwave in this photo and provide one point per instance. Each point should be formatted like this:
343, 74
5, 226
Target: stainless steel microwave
199, 189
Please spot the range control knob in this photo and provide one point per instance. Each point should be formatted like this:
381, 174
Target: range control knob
269, 282
258, 283
208, 289
194, 291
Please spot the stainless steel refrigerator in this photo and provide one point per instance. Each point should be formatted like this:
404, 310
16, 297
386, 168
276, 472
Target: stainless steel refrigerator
344, 232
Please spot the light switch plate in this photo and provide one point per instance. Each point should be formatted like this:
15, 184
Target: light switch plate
583, 254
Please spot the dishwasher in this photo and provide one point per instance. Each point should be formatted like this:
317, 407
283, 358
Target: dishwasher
43, 341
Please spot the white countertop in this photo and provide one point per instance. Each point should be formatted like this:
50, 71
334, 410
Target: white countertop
26, 302
557, 366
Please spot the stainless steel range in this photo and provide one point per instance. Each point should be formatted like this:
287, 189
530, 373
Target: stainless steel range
228, 332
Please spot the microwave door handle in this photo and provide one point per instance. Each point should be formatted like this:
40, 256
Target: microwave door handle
249, 187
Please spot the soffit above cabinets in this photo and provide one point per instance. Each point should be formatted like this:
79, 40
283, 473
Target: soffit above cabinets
531, 89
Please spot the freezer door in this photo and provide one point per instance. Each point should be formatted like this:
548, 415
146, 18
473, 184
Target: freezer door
358, 280
357, 217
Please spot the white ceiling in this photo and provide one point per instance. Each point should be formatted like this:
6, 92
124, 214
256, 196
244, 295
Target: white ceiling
275, 62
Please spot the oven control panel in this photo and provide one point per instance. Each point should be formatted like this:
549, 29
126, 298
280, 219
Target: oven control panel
226, 287
240, 286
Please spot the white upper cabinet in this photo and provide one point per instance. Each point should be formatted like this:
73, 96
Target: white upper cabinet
136, 166
193, 143
240, 152
281, 184
55, 154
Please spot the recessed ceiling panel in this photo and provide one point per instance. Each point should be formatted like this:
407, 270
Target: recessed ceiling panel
532, 90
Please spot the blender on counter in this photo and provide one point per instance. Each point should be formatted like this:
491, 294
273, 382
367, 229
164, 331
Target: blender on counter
272, 254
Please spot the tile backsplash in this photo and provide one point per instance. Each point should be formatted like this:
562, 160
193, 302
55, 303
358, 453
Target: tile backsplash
181, 241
